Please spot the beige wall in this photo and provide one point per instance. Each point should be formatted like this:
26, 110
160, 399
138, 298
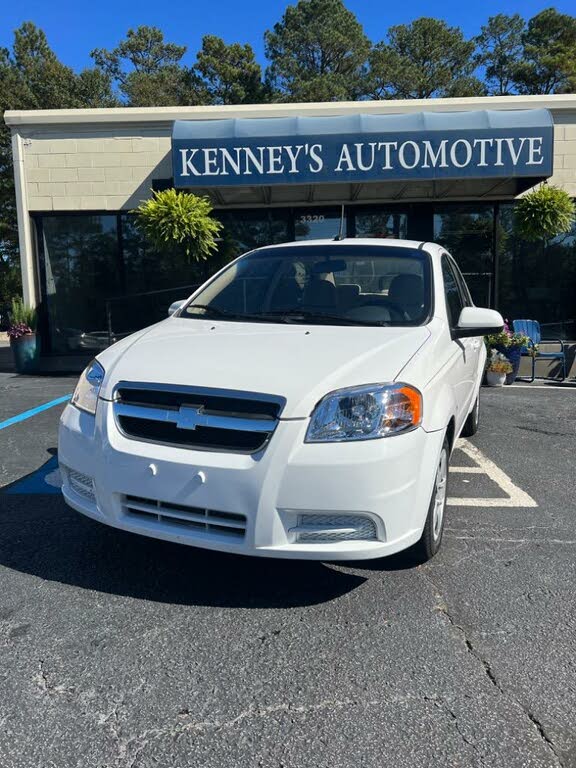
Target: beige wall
565, 151
97, 170
107, 166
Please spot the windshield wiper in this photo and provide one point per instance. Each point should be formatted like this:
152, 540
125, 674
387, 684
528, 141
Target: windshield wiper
227, 314
303, 314
281, 315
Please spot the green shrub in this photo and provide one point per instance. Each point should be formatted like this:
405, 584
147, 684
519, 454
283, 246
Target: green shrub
544, 213
171, 218
20, 314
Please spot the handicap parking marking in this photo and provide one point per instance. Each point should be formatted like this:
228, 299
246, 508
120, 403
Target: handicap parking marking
482, 465
34, 411
45, 480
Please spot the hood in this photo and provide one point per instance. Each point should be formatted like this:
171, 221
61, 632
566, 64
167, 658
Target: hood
301, 363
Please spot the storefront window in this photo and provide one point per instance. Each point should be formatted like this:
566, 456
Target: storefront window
148, 270
467, 232
82, 267
538, 280
317, 223
101, 280
245, 230
382, 224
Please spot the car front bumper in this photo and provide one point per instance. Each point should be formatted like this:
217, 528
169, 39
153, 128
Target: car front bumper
387, 481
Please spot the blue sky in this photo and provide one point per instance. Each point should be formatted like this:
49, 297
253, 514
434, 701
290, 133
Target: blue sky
75, 27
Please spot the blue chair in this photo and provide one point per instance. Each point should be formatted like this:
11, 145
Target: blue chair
531, 328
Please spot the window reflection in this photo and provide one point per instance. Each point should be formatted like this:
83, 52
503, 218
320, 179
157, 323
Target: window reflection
382, 224
96, 268
82, 268
245, 230
317, 223
538, 280
153, 280
467, 232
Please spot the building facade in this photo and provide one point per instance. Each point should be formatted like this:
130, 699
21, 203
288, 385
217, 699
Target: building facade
446, 170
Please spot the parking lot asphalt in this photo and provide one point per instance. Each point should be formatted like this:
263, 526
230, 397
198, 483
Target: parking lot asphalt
120, 651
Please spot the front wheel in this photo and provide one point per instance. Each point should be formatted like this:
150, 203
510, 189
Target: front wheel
472, 422
431, 538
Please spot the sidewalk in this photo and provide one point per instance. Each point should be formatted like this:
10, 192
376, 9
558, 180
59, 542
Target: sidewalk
6, 361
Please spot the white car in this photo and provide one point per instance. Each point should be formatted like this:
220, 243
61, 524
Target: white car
303, 403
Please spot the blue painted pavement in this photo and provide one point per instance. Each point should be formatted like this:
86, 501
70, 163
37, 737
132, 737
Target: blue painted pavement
33, 411
45, 480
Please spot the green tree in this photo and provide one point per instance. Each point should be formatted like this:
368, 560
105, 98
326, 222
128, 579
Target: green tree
549, 54
147, 70
424, 59
32, 77
500, 51
317, 52
228, 74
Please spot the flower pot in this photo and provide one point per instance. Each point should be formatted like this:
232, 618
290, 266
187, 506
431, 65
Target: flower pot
514, 355
494, 379
26, 351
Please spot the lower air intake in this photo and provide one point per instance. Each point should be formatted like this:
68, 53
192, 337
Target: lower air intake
327, 528
196, 520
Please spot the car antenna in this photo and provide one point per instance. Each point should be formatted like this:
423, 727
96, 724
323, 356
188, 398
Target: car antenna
341, 235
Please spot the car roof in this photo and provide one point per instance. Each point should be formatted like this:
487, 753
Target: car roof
370, 241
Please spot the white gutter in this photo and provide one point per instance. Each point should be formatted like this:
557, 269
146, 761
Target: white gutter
25, 240
127, 115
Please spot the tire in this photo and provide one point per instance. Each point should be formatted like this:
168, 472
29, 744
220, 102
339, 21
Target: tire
431, 538
473, 421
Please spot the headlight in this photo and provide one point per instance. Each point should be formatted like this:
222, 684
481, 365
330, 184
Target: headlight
365, 413
86, 393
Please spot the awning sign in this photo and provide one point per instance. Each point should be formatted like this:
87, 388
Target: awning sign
227, 153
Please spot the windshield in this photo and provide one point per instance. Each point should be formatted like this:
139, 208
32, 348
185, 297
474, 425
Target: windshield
332, 284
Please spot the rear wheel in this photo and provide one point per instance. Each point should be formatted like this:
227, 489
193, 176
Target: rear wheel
471, 424
431, 538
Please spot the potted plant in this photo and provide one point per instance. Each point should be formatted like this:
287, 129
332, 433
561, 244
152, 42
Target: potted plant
24, 341
497, 369
510, 344
171, 218
544, 213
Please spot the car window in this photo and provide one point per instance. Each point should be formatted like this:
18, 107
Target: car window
361, 285
454, 299
465, 293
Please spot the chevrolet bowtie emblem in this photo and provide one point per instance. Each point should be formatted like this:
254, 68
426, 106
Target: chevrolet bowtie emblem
190, 417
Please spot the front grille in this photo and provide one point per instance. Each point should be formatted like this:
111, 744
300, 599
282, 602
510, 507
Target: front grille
195, 519
327, 528
80, 484
189, 417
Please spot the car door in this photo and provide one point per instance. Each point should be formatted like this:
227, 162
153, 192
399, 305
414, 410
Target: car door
476, 342
464, 372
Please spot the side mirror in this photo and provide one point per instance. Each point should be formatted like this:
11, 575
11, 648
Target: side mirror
175, 306
477, 321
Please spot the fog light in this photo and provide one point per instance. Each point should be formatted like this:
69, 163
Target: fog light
327, 528
81, 484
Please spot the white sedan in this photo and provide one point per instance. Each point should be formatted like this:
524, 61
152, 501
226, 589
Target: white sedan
303, 403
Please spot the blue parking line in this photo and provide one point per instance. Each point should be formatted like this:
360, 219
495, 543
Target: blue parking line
33, 411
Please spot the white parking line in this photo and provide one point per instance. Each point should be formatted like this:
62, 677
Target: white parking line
516, 497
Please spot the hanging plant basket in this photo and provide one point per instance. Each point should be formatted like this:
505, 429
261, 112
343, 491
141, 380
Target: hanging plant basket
544, 213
